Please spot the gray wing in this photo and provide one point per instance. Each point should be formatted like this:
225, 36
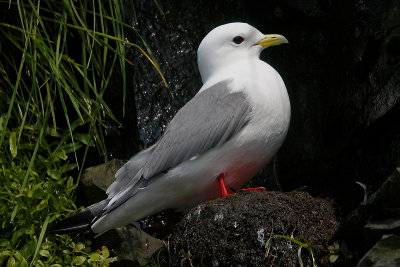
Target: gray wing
210, 119
129, 174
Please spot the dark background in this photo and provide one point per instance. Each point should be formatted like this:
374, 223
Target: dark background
341, 69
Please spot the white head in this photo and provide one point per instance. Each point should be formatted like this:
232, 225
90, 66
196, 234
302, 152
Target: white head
230, 43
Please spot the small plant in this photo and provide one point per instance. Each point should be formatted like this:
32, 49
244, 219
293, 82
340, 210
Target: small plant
155, 260
186, 256
305, 244
162, 254
334, 252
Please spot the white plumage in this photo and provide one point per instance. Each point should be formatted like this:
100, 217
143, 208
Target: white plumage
234, 125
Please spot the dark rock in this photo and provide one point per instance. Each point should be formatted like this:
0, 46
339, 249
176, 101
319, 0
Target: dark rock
379, 215
386, 199
383, 204
309, 8
385, 253
95, 181
233, 231
133, 247
375, 229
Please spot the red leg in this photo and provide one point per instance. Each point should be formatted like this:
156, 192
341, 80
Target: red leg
256, 188
222, 186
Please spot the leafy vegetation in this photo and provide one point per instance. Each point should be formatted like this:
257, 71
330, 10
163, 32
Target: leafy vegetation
155, 260
305, 244
186, 256
56, 61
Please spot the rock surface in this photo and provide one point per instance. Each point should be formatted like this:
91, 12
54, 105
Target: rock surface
382, 205
233, 231
377, 216
95, 181
386, 200
375, 229
385, 253
131, 246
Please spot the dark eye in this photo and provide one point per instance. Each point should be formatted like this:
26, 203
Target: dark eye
238, 39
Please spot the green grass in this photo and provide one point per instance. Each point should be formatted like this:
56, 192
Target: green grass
305, 244
56, 62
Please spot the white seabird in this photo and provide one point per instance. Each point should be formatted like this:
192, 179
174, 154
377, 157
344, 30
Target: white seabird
232, 126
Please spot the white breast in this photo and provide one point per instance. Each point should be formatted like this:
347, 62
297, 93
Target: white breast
258, 142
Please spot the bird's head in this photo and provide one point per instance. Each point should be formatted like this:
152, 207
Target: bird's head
230, 43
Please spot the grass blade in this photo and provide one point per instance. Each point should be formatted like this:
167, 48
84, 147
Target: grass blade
39, 243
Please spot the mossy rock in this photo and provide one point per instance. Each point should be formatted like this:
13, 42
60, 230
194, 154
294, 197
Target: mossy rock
233, 231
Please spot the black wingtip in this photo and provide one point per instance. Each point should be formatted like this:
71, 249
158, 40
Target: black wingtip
62, 231
79, 221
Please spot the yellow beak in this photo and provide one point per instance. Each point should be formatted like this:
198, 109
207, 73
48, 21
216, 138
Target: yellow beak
272, 39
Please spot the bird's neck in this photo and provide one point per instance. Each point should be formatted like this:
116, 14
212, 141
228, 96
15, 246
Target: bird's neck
242, 70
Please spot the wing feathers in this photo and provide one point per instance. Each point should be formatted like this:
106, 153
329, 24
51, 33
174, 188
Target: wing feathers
209, 120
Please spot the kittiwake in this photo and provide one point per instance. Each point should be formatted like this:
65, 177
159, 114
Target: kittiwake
231, 128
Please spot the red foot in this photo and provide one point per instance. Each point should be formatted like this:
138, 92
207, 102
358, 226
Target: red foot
222, 186
255, 188
225, 193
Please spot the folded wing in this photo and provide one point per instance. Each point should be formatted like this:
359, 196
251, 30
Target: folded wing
209, 120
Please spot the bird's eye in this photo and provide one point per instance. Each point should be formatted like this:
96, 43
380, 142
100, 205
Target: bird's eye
238, 39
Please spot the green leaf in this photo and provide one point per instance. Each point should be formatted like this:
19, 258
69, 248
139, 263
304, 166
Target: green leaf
59, 154
5, 253
11, 262
39, 263
2, 119
79, 246
17, 234
53, 173
85, 139
20, 259
78, 260
45, 253
47, 245
28, 249
68, 167
44, 227
336, 246
5, 243
333, 258
94, 257
52, 131
13, 144
104, 252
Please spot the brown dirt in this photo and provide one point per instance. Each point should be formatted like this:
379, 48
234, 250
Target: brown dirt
232, 231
